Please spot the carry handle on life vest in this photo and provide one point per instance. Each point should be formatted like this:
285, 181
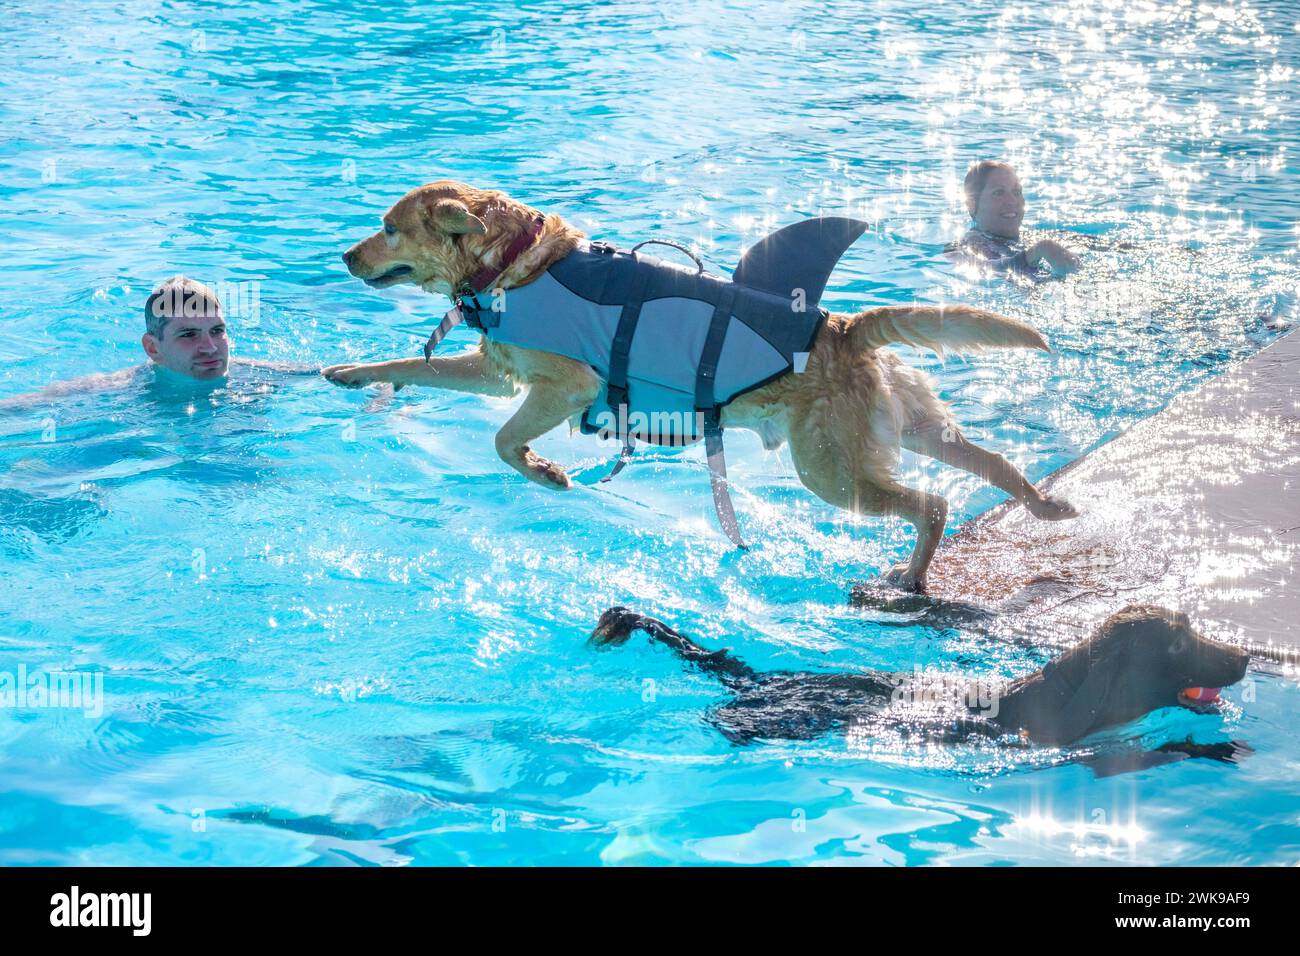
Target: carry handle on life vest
676, 245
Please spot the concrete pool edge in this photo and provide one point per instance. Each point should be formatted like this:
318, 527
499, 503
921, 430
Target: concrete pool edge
1196, 508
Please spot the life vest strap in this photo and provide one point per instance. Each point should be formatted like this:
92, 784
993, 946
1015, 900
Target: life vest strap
718, 482
624, 456
706, 404
449, 321
707, 372
620, 349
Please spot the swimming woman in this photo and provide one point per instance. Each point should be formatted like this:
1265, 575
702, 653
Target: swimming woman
997, 205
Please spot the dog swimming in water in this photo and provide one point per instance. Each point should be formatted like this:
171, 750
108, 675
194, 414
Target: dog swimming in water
1140, 659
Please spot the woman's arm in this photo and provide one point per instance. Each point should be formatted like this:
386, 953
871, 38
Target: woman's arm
1061, 260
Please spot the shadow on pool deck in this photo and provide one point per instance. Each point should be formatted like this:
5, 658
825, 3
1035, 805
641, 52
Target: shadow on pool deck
1196, 508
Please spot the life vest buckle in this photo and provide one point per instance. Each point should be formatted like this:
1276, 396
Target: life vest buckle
617, 395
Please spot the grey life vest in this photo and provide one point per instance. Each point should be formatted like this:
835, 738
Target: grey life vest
671, 345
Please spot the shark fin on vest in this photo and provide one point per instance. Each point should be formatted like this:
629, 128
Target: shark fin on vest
801, 255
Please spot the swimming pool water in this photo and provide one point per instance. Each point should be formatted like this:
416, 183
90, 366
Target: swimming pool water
334, 629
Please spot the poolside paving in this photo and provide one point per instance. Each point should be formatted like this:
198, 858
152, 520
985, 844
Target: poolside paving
1196, 508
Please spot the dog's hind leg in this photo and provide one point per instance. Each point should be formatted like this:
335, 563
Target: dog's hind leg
854, 475
928, 514
945, 442
549, 403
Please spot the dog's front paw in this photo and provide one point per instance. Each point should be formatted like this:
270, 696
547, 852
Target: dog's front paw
1050, 508
901, 576
546, 472
352, 375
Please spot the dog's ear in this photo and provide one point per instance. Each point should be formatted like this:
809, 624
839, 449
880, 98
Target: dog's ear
453, 216
1086, 706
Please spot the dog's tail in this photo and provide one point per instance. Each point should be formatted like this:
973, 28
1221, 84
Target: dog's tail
961, 328
618, 624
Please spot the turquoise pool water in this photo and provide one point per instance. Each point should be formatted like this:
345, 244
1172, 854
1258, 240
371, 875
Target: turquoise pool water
334, 629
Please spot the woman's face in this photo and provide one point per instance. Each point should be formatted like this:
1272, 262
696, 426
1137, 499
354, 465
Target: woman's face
1001, 205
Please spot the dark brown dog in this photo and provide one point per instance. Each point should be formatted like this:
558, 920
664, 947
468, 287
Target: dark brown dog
1140, 659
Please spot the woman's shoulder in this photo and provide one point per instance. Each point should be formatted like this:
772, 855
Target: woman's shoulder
994, 247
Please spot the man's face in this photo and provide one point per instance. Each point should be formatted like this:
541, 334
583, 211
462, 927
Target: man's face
196, 347
1001, 205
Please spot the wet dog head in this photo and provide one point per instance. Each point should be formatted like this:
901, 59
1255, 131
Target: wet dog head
438, 236
1140, 659
615, 626
1169, 657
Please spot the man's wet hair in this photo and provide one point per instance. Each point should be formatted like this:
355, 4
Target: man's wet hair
179, 298
976, 177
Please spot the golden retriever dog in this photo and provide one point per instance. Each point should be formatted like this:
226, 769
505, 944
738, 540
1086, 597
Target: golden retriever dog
845, 416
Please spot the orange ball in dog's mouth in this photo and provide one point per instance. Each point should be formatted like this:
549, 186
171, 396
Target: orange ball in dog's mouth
1199, 695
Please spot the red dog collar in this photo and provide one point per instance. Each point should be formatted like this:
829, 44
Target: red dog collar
486, 276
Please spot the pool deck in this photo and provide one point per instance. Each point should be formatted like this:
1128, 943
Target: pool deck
1196, 508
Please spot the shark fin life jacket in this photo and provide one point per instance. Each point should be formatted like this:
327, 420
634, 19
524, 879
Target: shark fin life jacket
671, 345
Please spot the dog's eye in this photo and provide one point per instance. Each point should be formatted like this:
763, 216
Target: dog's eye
390, 229
1178, 646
